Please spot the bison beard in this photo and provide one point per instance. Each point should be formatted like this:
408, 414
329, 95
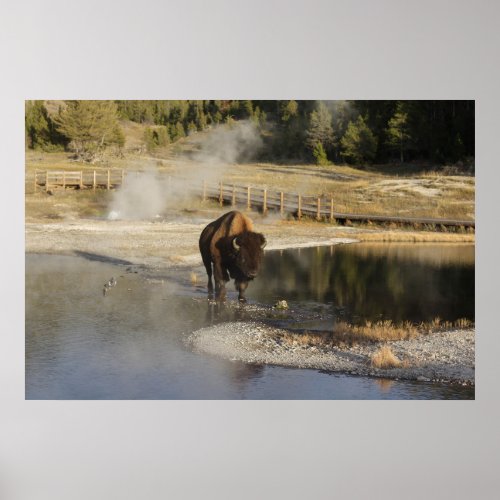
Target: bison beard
234, 250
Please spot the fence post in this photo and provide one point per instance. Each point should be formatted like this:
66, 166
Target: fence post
282, 207
108, 185
233, 199
299, 208
264, 203
331, 209
94, 182
81, 179
46, 181
204, 191
221, 198
249, 203
318, 212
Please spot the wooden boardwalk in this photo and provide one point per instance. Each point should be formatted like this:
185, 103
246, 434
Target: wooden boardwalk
318, 207
94, 179
247, 197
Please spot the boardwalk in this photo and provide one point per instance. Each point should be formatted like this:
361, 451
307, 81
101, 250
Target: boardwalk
318, 207
103, 178
244, 197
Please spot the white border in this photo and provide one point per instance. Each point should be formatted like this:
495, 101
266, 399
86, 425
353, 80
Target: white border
240, 49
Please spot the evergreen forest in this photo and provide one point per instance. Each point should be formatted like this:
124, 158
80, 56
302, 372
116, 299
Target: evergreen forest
358, 132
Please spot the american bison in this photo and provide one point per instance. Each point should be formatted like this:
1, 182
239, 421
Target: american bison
230, 244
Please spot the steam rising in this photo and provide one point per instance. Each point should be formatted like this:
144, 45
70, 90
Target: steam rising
229, 144
148, 194
142, 196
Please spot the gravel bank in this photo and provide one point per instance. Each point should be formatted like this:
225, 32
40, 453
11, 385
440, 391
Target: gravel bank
445, 356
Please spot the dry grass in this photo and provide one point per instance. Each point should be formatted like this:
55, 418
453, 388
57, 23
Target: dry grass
67, 203
193, 278
375, 332
401, 236
370, 332
375, 191
384, 358
464, 323
438, 325
362, 192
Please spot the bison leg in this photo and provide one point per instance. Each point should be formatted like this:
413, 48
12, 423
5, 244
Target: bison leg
241, 286
208, 267
220, 278
207, 262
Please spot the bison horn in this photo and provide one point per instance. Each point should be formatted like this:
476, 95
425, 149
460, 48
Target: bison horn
264, 243
235, 245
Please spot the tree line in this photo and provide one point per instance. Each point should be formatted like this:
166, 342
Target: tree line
357, 132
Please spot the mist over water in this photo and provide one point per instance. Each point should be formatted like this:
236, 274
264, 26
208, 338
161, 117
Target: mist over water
148, 194
131, 342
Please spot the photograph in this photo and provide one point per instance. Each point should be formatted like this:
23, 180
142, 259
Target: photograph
249, 249
247, 252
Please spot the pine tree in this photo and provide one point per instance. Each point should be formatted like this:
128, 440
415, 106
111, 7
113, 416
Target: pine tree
288, 110
320, 154
320, 128
89, 125
162, 136
179, 131
36, 122
246, 109
359, 143
398, 132
149, 139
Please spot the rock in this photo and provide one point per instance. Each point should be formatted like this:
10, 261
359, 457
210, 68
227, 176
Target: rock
281, 304
421, 378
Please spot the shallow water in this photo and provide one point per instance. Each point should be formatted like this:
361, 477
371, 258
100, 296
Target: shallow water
130, 343
359, 282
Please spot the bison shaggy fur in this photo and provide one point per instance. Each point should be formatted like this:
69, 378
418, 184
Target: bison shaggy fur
233, 249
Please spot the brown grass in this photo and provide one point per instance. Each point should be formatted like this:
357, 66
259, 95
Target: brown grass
384, 358
380, 331
375, 332
392, 236
67, 203
375, 191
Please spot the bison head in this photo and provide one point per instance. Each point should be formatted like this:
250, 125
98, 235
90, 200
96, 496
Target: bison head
249, 248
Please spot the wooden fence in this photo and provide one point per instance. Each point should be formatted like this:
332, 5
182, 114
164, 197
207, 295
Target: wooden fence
247, 197
318, 207
94, 179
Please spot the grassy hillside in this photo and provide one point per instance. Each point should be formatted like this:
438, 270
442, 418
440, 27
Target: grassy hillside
385, 190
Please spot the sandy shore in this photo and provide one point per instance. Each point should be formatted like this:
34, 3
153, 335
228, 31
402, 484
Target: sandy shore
163, 243
168, 243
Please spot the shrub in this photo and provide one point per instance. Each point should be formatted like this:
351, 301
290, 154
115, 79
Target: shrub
384, 358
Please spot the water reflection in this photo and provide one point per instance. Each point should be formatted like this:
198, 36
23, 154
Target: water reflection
375, 281
385, 384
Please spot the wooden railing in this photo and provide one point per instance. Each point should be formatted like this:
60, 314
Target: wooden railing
319, 207
248, 197
104, 178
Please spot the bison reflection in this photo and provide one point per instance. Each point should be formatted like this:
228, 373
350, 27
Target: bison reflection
234, 250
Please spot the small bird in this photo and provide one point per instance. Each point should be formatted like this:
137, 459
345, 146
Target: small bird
105, 289
112, 282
